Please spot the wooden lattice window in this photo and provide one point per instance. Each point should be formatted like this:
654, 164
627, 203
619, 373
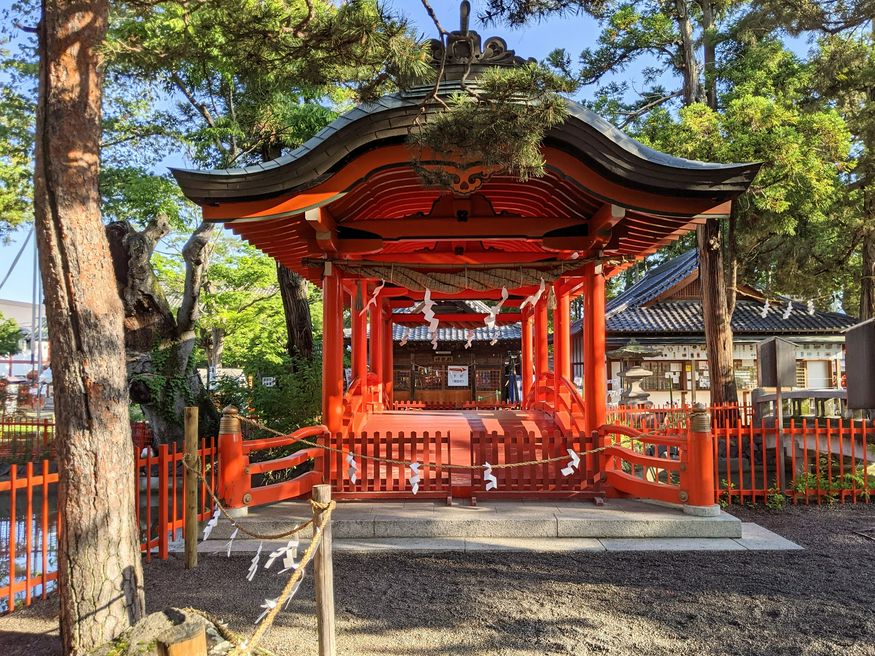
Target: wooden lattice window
431, 378
488, 379
401, 379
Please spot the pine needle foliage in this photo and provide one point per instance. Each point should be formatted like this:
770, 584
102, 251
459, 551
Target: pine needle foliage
499, 122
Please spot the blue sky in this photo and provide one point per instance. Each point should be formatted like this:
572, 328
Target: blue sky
574, 33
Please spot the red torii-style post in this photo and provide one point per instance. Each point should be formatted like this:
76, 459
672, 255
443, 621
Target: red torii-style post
527, 367
595, 388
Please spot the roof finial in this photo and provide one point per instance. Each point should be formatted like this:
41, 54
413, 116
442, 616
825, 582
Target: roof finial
464, 13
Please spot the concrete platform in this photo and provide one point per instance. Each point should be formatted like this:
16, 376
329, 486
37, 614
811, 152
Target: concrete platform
494, 519
753, 538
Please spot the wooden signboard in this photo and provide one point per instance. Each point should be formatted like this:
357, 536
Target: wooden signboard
860, 365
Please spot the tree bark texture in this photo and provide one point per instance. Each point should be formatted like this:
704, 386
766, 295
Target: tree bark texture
100, 575
692, 85
709, 51
158, 349
867, 283
718, 326
296, 304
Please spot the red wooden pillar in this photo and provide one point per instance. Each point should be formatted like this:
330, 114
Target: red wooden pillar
359, 337
562, 334
332, 351
595, 388
376, 342
542, 366
388, 355
528, 369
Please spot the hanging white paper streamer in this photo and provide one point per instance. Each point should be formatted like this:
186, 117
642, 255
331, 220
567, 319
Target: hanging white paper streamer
765, 309
788, 310
434, 341
428, 307
289, 561
294, 589
489, 319
283, 552
253, 566
353, 468
489, 477
373, 300
494, 339
469, 335
534, 298
214, 521
405, 336
231, 542
268, 605
573, 464
810, 308
414, 476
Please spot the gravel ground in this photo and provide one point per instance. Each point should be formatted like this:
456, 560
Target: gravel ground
812, 602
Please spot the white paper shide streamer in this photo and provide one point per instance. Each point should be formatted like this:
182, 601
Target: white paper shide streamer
405, 336
810, 308
428, 315
534, 298
789, 310
469, 336
765, 309
214, 521
253, 564
353, 468
373, 300
287, 553
231, 542
489, 477
268, 605
489, 319
572, 465
413, 477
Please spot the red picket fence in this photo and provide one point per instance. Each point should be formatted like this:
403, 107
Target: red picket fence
465, 405
29, 533
26, 439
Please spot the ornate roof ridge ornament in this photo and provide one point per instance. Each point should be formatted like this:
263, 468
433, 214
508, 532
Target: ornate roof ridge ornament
465, 51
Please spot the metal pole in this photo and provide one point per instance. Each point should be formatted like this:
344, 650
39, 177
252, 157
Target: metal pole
191, 460
323, 574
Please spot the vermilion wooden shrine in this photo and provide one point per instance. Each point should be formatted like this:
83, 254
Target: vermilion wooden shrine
348, 211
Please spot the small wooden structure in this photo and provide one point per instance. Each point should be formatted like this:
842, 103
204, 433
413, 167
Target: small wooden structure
349, 211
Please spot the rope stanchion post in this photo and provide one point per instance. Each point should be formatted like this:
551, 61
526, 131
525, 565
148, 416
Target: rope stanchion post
323, 571
234, 478
190, 458
699, 474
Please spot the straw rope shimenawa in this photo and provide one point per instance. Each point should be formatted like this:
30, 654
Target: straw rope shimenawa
669, 422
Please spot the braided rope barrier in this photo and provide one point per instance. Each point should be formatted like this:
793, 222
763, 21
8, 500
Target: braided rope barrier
669, 422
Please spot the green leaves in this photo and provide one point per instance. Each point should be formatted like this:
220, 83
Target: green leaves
10, 335
500, 123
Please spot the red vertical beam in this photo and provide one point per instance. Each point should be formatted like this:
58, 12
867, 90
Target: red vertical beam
360, 338
332, 352
388, 355
541, 348
528, 369
375, 316
595, 371
562, 334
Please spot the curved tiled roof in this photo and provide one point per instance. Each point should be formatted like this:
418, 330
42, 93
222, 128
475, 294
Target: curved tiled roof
634, 312
387, 120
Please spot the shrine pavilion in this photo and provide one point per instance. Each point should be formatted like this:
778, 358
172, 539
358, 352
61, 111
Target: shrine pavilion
349, 212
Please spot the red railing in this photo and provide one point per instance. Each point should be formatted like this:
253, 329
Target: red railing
236, 486
388, 479
29, 533
465, 405
24, 439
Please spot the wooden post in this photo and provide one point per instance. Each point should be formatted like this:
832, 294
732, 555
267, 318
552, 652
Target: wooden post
191, 485
376, 342
323, 575
594, 366
388, 357
542, 366
186, 639
698, 477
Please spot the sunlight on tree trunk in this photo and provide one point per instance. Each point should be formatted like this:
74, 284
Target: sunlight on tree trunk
718, 327
100, 576
296, 304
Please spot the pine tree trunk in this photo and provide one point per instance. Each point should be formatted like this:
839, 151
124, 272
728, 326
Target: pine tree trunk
99, 571
867, 284
296, 303
690, 65
718, 327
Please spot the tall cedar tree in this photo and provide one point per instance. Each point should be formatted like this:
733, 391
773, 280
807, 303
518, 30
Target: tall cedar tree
667, 30
100, 575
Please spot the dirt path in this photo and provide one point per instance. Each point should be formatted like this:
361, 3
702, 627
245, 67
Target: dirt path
814, 602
